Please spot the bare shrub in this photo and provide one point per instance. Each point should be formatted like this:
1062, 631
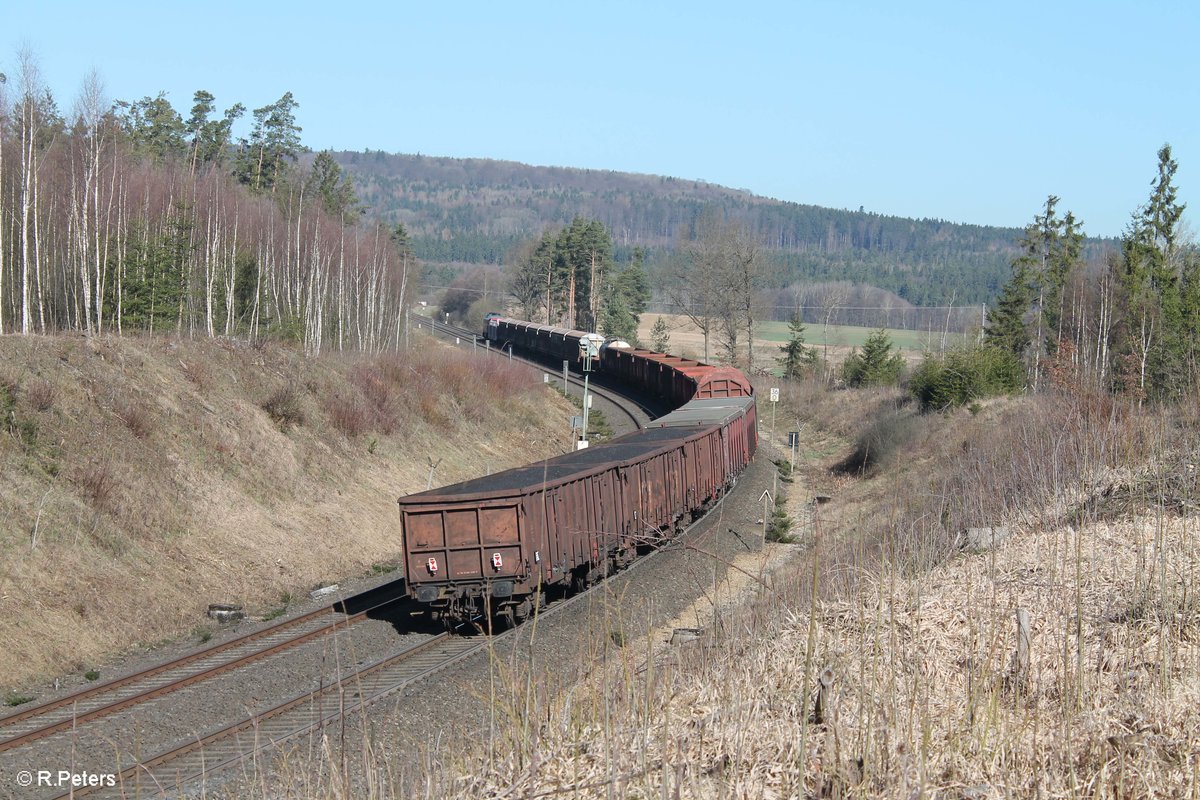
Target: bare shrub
436, 386
380, 389
41, 394
285, 406
136, 416
477, 384
882, 441
197, 372
348, 413
434, 410
97, 482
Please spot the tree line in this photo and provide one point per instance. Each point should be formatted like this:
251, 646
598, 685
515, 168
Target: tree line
1129, 322
569, 277
476, 210
123, 217
1126, 321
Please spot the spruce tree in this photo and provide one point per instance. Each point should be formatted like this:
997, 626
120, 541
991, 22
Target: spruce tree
1006, 322
797, 359
1028, 317
1157, 336
660, 336
876, 364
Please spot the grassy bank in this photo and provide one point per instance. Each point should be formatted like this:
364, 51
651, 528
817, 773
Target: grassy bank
885, 658
145, 479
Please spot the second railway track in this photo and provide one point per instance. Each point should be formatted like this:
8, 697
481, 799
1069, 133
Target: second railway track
191, 765
91, 703
195, 764
631, 409
195, 767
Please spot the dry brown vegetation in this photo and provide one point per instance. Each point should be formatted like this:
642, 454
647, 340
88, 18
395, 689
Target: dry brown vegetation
144, 479
909, 641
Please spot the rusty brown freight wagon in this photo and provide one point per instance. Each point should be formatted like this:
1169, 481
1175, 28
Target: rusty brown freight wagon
673, 379
494, 543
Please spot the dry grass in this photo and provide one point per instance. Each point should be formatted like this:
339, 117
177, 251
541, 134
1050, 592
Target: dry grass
915, 643
924, 693
923, 699
155, 483
41, 394
285, 405
136, 416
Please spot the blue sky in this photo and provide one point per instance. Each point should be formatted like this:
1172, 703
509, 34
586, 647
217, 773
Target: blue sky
963, 111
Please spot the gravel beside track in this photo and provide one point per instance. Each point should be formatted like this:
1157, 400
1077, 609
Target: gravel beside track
446, 708
408, 734
121, 738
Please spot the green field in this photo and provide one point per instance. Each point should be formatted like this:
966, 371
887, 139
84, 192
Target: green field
852, 336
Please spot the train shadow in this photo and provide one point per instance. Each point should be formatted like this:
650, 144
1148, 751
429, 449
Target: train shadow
388, 603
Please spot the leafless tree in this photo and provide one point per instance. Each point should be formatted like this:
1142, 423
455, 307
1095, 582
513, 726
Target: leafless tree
4, 122
525, 277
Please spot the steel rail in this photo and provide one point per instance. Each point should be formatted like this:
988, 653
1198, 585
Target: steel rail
617, 398
182, 767
88, 704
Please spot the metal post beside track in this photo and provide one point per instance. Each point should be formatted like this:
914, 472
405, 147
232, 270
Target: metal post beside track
585, 407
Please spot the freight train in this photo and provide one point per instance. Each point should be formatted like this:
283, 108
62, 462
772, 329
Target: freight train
494, 545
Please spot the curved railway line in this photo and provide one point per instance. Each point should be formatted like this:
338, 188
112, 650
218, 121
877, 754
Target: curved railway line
194, 764
630, 408
94, 702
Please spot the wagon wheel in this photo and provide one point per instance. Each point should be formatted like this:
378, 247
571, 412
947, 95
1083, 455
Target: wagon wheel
579, 579
522, 610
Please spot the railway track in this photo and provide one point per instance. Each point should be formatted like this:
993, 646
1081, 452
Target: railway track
196, 764
190, 767
95, 702
630, 408
195, 767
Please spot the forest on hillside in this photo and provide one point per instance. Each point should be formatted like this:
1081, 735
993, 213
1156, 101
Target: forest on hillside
127, 216
478, 210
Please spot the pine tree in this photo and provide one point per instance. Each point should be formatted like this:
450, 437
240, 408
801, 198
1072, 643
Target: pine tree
797, 359
210, 138
154, 128
1006, 323
635, 284
1156, 338
876, 364
616, 320
273, 146
660, 336
334, 187
580, 268
1028, 317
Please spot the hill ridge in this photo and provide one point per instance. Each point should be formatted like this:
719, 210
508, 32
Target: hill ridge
475, 210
